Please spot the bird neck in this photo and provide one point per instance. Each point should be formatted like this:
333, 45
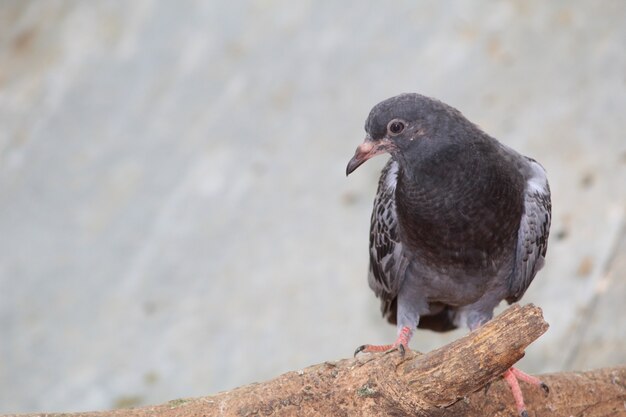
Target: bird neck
444, 172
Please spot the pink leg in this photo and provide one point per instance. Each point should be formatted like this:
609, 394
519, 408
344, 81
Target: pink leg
512, 376
509, 377
401, 343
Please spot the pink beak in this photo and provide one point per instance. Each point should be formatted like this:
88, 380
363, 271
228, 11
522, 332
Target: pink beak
368, 149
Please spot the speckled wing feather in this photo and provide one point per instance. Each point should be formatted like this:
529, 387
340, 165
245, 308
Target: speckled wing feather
532, 241
388, 260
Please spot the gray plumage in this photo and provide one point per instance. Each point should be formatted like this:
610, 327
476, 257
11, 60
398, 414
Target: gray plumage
460, 221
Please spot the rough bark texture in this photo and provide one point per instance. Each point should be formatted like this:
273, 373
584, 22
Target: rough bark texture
444, 382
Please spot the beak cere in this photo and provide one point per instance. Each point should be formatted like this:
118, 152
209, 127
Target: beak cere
365, 151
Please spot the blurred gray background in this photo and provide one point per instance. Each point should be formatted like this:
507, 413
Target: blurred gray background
175, 218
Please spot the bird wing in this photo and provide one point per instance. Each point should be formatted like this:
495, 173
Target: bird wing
532, 238
388, 260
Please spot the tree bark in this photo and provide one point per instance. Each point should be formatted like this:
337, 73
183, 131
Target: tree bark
454, 380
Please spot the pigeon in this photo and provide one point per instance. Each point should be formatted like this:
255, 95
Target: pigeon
460, 221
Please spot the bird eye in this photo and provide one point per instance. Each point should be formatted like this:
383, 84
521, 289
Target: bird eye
395, 127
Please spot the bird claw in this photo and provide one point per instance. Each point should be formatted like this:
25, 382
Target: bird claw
402, 350
359, 350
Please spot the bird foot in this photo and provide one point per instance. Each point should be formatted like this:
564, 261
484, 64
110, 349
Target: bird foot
512, 377
533, 380
401, 344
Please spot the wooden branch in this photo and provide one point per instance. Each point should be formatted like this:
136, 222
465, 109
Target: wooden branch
444, 382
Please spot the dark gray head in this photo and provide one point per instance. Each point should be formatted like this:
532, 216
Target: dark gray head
405, 123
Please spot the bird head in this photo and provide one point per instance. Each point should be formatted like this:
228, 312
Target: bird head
399, 126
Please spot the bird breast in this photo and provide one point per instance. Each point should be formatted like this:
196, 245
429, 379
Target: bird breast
463, 213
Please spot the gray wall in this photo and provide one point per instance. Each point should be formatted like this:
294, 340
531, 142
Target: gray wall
174, 214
